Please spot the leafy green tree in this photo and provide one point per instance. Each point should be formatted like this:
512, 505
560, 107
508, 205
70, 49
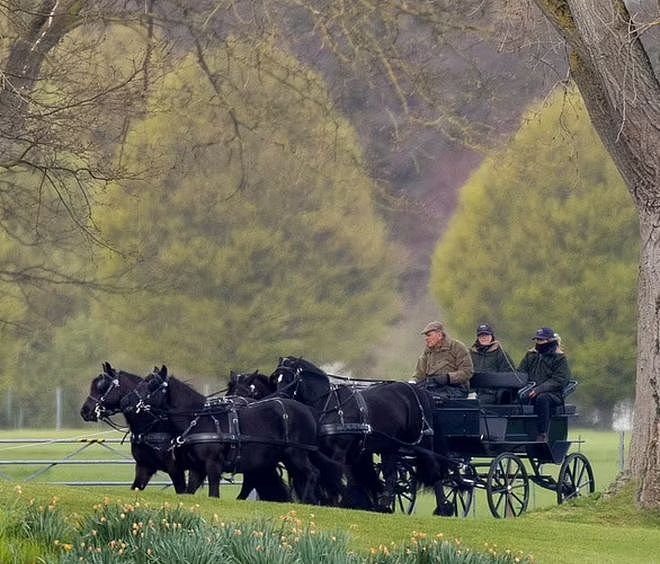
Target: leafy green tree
546, 235
255, 233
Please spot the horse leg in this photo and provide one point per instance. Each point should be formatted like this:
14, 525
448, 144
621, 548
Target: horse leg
385, 500
304, 474
364, 486
213, 474
250, 481
271, 487
178, 477
195, 479
142, 476
330, 478
443, 506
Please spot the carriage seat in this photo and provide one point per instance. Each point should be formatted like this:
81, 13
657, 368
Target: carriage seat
564, 409
506, 384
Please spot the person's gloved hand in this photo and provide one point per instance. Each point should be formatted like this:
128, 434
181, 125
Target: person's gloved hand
442, 379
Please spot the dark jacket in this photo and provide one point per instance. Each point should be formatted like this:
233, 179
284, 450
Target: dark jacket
491, 358
550, 371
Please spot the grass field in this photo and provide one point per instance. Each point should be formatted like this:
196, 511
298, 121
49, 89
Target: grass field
593, 530
602, 449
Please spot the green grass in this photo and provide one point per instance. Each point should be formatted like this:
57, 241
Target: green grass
591, 530
601, 448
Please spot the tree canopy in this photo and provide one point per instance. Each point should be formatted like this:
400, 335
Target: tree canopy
229, 278
546, 235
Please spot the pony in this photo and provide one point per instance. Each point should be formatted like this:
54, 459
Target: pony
255, 386
356, 422
234, 436
150, 436
151, 439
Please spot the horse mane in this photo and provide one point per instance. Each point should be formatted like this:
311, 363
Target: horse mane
183, 392
133, 378
258, 377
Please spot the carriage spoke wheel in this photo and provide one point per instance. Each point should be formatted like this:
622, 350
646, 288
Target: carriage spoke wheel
507, 487
405, 487
576, 477
459, 491
405, 493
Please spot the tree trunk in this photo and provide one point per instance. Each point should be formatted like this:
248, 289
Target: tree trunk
48, 24
644, 460
622, 94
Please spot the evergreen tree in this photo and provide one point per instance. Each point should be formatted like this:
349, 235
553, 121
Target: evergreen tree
546, 235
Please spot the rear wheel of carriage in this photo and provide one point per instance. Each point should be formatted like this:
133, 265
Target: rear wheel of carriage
576, 477
507, 486
459, 491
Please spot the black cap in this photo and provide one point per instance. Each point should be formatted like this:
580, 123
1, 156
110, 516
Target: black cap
485, 329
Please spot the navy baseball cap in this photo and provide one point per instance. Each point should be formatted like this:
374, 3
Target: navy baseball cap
484, 329
545, 333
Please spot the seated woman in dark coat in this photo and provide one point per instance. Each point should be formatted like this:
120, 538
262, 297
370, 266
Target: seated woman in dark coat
489, 356
547, 366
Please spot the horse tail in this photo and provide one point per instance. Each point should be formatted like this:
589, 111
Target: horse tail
331, 473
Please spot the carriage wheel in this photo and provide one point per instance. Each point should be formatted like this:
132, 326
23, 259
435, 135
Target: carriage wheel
507, 487
405, 487
459, 493
575, 478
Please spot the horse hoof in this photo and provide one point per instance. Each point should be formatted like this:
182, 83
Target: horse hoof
444, 510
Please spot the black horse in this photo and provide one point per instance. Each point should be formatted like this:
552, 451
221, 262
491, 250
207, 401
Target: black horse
151, 440
357, 422
236, 437
150, 436
256, 386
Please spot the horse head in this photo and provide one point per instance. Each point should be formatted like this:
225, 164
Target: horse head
301, 380
250, 385
105, 393
152, 393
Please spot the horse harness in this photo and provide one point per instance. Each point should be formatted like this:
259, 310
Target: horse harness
159, 441
229, 408
362, 427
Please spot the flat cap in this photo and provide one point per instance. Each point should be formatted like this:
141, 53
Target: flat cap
433, 326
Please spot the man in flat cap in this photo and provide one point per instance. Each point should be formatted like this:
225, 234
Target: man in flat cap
445, 365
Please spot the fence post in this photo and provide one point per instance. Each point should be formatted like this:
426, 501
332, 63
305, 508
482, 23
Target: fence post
58, 408
8, 407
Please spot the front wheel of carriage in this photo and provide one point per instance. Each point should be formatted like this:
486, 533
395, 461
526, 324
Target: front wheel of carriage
507, 486
458, 490
405, 487
576, 477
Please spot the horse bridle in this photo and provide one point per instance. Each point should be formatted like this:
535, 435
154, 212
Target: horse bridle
100, 410
296, 374
142, 401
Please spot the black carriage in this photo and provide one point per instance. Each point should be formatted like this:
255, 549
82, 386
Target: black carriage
469, 444
494, 447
